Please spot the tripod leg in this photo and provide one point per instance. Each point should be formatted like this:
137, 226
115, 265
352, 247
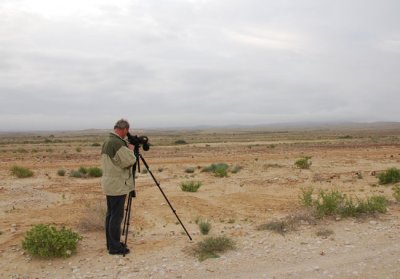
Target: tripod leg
126, 223
165, 197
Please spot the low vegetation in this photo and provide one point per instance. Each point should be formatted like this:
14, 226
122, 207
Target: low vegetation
93, 217
189, 170
211, 246
219, 170
324, 233
333, 202
389, 176
303, 163
276, 226
21, 172
190, 186
83, 172
61, 172
46, 241
94, 172
288, 223
180, 141
205, 227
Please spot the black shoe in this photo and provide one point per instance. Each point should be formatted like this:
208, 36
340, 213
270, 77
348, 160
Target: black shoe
119, 252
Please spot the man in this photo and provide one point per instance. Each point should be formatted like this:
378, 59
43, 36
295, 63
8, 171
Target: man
117, 159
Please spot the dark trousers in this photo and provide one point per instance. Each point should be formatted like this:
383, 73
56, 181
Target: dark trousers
114, 217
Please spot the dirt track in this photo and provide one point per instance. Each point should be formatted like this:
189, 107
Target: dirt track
266, 188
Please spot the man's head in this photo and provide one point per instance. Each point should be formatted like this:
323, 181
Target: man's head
121, 128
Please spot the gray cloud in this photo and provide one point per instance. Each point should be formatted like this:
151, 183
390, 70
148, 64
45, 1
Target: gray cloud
197, 62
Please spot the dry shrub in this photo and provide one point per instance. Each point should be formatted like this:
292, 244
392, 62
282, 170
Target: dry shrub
289, 223
93, 218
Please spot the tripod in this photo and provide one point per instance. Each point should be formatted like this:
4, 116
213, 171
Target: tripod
132, 194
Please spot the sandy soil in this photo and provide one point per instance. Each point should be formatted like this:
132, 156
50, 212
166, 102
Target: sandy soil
267, 188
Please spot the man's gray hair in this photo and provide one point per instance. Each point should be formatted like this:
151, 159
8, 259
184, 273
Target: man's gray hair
121, 124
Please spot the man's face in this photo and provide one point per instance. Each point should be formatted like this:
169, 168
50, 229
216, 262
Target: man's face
125, 131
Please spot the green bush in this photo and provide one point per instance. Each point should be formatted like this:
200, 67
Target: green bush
391, 175
191, 186
329, 203
21, 172
336, 203
210, 246
219, 170
46, 241
76, 174
306, 196
304, 163
83, 170
205, 227
94, 172
61, 172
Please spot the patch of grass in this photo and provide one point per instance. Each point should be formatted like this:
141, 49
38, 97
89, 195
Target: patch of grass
96, 144
180, 141
219, 170
46, 241
333, 202
328, 203
306, 196
304, 163
389, 176
288, 223
190, 186
76, 174
83, 170
324, 233
189, 170
211, 246
94, 172
61, 172
78, 149
373, 204
280, 227
205, 227
21, 172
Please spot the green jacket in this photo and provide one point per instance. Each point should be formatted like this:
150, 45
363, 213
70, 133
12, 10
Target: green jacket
117, 161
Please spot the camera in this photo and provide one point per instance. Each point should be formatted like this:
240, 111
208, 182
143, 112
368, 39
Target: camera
137, 141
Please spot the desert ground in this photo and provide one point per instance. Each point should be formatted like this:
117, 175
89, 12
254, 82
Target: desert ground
266, 188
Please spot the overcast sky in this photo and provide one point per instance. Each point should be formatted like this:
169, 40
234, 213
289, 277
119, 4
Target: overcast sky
80, 64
